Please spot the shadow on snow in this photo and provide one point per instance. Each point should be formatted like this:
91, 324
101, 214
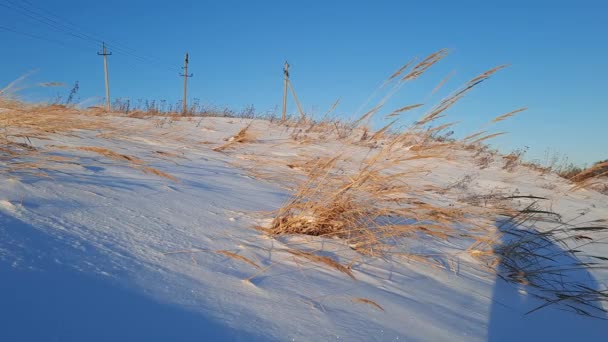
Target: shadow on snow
46, 300
510, 319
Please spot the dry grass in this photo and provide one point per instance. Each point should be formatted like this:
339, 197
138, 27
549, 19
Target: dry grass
596, 171
110, 154
548, 261
508, 115
375, 208
159, 173
133, 161
438, 110
307, 165
243, 136
238, 257
368, 302
24, 125
372, 208
325, 260
594, 177
368, 208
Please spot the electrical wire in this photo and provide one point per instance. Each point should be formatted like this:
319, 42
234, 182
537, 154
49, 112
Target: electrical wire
8, 29
66, 27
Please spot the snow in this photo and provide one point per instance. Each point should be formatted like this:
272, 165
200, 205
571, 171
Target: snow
101, 251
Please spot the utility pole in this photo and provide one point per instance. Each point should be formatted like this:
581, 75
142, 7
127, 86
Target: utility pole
105, 55
286, 73
186, 75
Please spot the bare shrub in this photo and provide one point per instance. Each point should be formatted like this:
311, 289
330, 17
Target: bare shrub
514, 159
462, 183
483, 156
484, 160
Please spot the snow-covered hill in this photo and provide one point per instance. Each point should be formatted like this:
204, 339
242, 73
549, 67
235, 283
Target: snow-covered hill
129, 229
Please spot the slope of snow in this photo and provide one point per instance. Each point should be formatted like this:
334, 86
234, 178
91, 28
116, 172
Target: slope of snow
98, 250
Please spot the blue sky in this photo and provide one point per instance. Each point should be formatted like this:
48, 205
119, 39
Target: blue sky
337, 49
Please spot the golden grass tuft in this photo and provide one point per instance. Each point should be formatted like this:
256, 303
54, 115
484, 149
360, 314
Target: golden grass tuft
368, 302
403, 109
425, 64
352, 206
401, 70
509, 114
368, 208
380, 133
110, 154
442, 82
243, 136
159, 173
238, 257
596, 171
487, 137
325, 260
452, 99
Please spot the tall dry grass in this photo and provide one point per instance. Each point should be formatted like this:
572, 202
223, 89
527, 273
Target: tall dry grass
25, 128
374, 209
243, 136
350, 206
367, 203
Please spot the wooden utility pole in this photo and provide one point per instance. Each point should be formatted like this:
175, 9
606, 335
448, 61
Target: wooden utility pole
286, 73
186, 75
105, 55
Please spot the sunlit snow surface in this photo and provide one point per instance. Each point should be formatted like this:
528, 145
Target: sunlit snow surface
101, 251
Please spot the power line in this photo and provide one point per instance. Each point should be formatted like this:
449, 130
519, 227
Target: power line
8, 29
66, 23
50, 24
46, 39
54, 41
66, 27
55, 23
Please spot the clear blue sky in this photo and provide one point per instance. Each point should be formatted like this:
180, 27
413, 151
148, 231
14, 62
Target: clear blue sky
338, 49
